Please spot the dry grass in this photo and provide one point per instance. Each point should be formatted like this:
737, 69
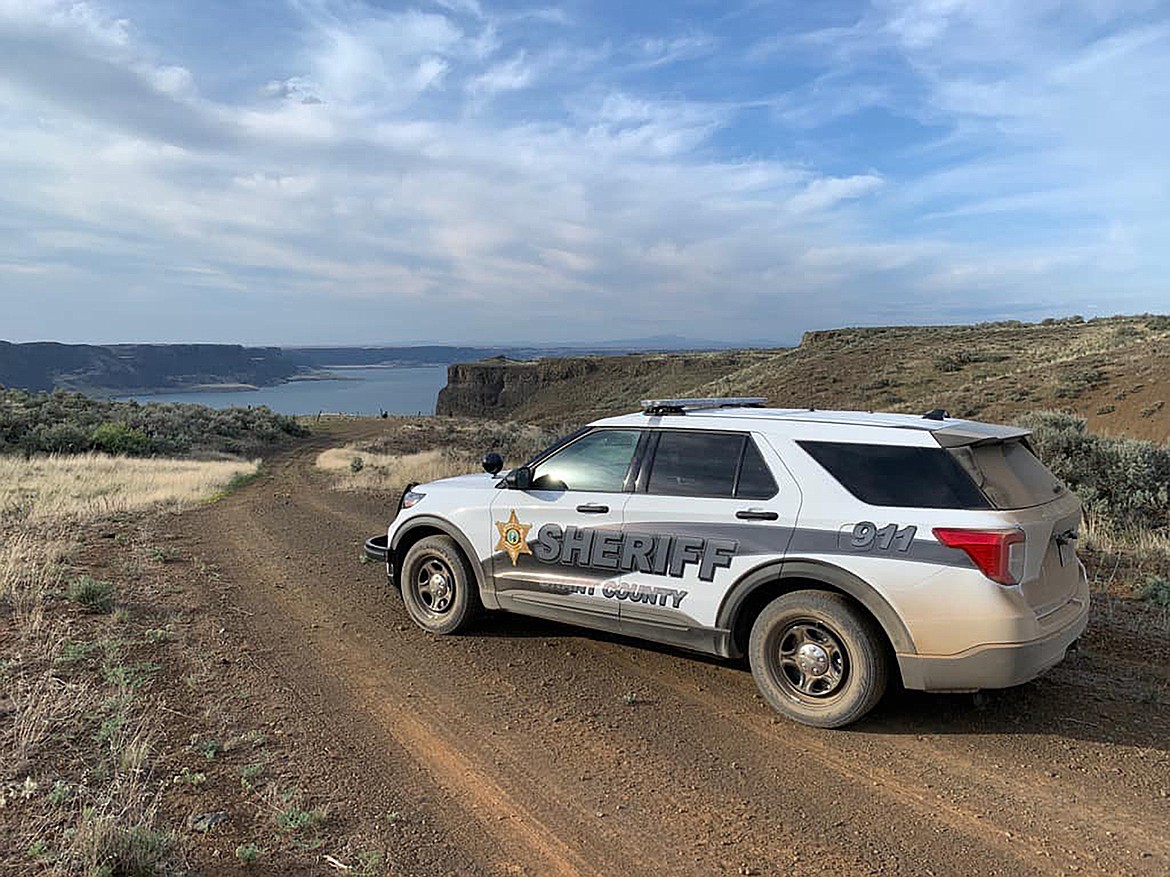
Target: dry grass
1122, 561
75, 735
88, 485
424, 449
391, 471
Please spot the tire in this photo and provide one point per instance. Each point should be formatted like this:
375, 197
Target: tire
818, 659
438, 590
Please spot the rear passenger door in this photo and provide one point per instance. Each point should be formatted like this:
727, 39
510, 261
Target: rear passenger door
708, 507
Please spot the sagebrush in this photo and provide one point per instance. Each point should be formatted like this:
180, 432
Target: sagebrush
70, 423
1123, 483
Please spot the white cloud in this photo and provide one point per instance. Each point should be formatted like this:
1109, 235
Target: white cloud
510, 75
661, 51
368, 164
826, 192
294, 88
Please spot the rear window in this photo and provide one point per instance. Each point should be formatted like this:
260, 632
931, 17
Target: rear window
892, 475
1009, 474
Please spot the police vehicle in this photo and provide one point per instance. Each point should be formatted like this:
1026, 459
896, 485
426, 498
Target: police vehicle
836, 550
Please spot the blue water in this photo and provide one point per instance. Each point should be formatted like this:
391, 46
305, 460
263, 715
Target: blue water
364, 391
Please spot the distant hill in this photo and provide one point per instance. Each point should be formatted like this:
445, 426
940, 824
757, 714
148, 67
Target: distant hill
1114, 371
111, 369
126, 368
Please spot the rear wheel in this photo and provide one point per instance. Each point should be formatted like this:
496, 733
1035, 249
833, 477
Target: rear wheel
818, 659
437, 588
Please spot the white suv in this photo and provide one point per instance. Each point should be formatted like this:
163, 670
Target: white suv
832, 548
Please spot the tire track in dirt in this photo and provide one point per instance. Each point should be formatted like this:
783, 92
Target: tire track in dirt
449, 769
1094, 819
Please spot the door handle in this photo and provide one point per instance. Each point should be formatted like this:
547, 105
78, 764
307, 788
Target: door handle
591, 508
756, 515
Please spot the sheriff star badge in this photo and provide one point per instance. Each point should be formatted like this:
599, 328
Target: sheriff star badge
513, 537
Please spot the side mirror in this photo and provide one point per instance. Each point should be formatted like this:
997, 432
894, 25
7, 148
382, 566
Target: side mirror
492, 463
519, 478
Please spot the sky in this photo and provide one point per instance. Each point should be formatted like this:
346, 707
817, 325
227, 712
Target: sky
467, 171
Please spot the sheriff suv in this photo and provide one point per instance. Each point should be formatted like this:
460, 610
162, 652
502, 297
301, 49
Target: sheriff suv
835, 550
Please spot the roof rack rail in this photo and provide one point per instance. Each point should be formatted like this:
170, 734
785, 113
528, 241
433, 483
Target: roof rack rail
658, 407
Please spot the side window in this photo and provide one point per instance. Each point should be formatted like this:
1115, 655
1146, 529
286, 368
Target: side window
598, 461
709, 464
695, 464
896, 475
755, 479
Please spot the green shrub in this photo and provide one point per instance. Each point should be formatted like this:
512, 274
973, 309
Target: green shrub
1158, 322
61, 422
1124, 483
92, 594
118, 438
1073, 384
1156, 590
249, 853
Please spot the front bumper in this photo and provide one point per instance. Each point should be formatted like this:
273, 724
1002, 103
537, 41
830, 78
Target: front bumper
377, 548
1000, 665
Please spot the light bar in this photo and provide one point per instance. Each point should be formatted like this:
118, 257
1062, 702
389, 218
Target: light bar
682, 406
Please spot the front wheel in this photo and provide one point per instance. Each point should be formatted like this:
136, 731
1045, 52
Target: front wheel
437, 588
818, 659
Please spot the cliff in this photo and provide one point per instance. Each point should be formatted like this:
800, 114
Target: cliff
561, 390
490, 387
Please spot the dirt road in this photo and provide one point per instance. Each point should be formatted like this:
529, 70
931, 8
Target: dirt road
533, 748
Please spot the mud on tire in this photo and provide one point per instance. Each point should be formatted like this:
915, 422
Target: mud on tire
817, 658
438, 590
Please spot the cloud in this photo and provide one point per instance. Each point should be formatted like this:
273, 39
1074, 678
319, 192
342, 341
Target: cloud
510, 75
294, 88
453, 170
826, 192
661, 51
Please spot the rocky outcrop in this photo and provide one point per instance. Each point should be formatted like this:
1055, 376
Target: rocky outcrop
491, 387
569, 388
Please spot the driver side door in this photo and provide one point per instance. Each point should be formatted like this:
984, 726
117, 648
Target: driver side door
557, 542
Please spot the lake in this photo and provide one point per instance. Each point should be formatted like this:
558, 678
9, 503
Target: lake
361, 391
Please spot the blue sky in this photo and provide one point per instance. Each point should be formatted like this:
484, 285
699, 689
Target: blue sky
309, 171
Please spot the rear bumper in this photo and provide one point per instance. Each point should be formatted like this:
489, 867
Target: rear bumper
1000, 665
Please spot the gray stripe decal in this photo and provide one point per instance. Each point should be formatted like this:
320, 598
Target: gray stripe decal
782, 542
755, 539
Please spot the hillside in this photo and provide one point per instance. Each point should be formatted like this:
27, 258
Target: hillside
1113, 371
124, 368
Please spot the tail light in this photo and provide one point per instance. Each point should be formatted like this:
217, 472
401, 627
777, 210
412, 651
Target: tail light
999, 554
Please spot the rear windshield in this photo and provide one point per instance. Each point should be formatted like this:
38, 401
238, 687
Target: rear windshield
893, 475
1009, 474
